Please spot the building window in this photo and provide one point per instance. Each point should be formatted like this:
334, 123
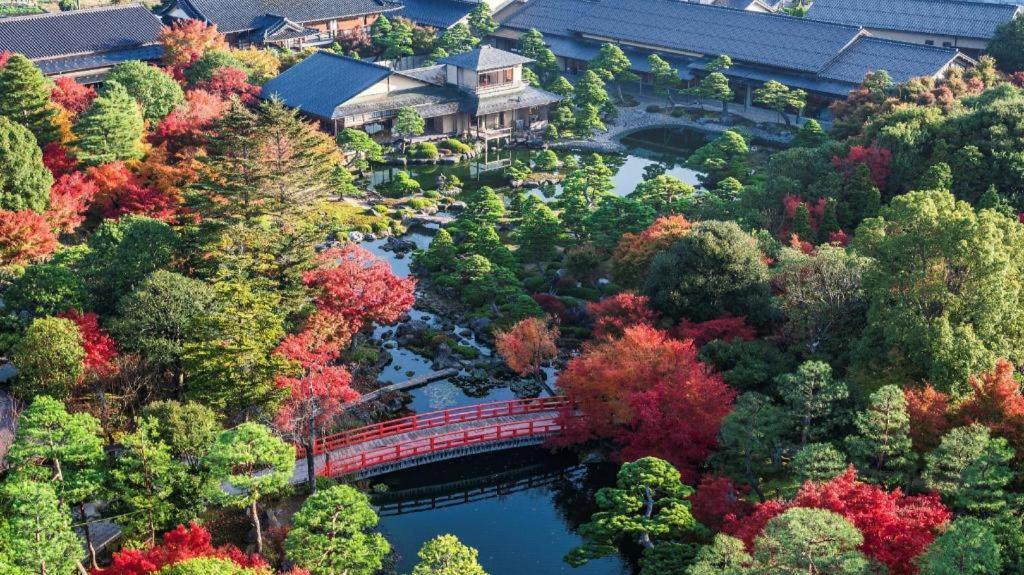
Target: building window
947, 44
929, 42
497, 78
332, 25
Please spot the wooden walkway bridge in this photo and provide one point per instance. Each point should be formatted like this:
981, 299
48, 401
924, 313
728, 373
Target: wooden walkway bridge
434, 436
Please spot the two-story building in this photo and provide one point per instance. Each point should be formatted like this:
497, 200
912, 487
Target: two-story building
478, 93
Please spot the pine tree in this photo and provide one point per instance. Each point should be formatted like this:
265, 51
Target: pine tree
155, 90
882, 449
966, 547
829, 221
538, 233
802, 223
446, 555
111, 129
332, 534
236, 170
818, 462
810, 135
35, 531
24, 181
813, 397
25, 98
379, 32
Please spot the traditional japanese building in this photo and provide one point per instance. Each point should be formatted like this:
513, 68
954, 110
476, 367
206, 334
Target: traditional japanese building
83, 44
825, 59
286, 23
968, 26
479, 93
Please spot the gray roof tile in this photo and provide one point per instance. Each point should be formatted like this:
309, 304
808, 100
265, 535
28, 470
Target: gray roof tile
243, 15
942, 17
323, 81
90, 31
485, 58
437, 13
556, 17
901, 60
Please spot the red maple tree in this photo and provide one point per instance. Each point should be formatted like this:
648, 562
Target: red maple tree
715, 497
614, 314
100, 348
25, 235
70, 198
996, 402
180, 544
186, 127
634, 253
875, 157
929, 413
650, 393
187, 40
57, 159
727, 328
71, 95
897, 528
527, 345
352, 289
227, 82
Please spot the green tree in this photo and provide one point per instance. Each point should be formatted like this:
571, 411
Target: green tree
938, 176
665, 194
589, 90
587, 120
942, 327
236, 457
189, 429
545, 65
810, 135
155, 90
538, 233
818, 462
971, 470
666, 78
24, 181
1007, 45
457, 39
49, 359
725, 555
209, 63
822, 298
163, 315
25, 98
332, 534
616, 216
715, 86
440, 255
726, 156
230, 361
612, 65
582, 190
143, 482
111, 129
966, 548
779, 97
122, 255
752, 438
398, 42
481, 21
809, 541
881, 447
407, 123
379, 31
61, 449
647, 507
813, 398
446, 555
46, 289
35, 531
208, 566
484, 206
360, 148
715, 269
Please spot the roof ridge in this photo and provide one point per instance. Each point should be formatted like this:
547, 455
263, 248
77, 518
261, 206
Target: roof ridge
868, 35
351, 59
751, 13
111, 8
964, 2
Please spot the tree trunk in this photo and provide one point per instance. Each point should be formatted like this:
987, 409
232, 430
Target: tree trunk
618, 86
259, 528
311, 464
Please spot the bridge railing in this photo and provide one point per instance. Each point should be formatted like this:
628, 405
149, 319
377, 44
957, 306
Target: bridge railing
435, 419
435, 443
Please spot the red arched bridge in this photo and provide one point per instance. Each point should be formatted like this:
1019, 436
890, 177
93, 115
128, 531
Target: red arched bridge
434, 436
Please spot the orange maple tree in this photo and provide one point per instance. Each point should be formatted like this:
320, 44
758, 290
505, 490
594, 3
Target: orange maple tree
527, 345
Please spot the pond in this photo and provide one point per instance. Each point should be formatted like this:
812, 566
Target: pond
520, 509
664, 149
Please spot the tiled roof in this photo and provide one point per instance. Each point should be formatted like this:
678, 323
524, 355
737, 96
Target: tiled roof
485, 58
440, 14
323, 81
941, 17
528, 97
586, 51
242, 15
767, 39
428, 101
79, 32
55, 66
550, 17
901, 60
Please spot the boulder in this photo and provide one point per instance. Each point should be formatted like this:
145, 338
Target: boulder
356, 236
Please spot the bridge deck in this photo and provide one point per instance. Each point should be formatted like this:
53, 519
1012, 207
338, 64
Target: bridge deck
430, 440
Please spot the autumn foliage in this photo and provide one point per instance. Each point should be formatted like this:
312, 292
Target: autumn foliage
527, 345
71, 95
928, 409
25, 236
70, 198
634, 253
897, 528
180, 544
319, 384
614, 314
875, 157
354, 289
187, 40
715, 498
727, 328
100, 348
650, 393
996, 402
